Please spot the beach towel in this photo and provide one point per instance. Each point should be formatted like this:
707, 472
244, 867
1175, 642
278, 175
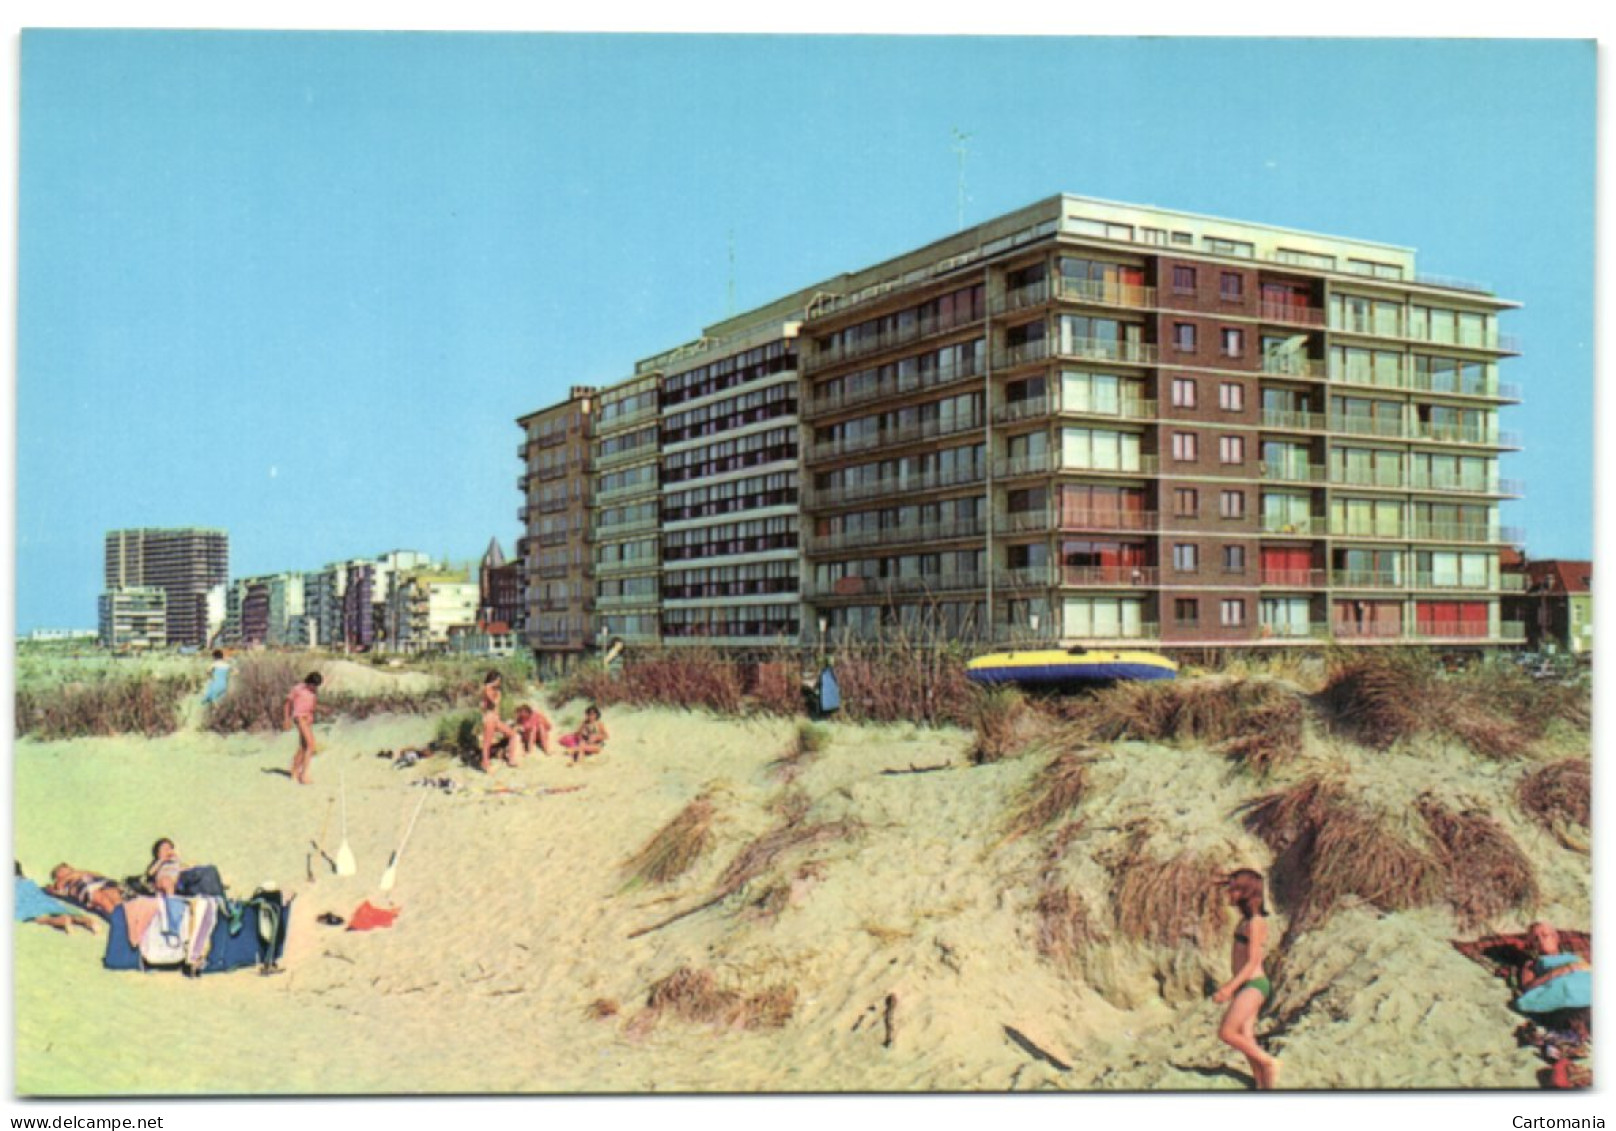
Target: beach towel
1568, 991
369, 917
33, 903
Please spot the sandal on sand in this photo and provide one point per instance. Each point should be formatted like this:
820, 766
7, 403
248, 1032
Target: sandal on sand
331, 920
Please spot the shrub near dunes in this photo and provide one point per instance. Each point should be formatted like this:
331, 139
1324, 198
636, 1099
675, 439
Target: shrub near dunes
1488, 874
904, 681
1560, 792
257, 696
143, 704
1259, 722
690, 678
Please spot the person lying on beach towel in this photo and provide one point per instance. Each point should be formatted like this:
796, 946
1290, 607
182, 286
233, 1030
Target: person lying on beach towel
169, 875
89, 890
1557, 978
34, 906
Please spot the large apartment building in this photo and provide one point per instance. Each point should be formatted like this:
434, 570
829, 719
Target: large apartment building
1089, 422
189, 565
556, 484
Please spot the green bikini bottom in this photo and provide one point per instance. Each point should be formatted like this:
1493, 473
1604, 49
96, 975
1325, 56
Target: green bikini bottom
1260, 984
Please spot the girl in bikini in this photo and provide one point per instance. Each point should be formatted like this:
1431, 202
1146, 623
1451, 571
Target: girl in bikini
1249, 988
588, 740
494, 725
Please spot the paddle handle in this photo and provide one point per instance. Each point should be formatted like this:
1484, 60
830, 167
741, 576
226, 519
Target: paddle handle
390, 874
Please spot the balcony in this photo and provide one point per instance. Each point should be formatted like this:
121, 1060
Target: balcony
1024, 637
626, 456
1311, 527
1287, 631
552, 537
618, 601
1126, 409
1028, 409
1020, 467
901, 534
1096, 293
1465, 532
822, 404
887, 587
1369, 532
889, 488
624, 529
1293, 578
1289, 365
1450, 585
1384, 427
1491, 390
1460, 434
1385, 479
917, 330
552, 572
550, 473
609, 426
1291, 315
907, 434
618, 494
1421, 481
1293, 421
1452, 630
1109, 576
1368, 630
1292, 472
1366, 579
1079, 521
629, 565
1070, 348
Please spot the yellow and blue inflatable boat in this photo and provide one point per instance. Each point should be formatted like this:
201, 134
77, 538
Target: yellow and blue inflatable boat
1065, 668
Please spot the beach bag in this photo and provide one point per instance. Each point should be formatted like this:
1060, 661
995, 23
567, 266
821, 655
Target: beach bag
163, 944
201, 880
830, 692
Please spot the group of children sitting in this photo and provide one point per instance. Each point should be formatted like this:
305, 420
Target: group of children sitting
533, 731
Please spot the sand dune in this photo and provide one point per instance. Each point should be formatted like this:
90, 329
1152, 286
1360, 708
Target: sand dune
517, 916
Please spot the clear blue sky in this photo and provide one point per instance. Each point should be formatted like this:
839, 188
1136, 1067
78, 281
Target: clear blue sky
300, 286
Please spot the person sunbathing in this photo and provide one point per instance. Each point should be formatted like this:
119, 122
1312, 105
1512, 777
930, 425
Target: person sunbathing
169, 875
1548, 963
34, 906
589, 739
89, 890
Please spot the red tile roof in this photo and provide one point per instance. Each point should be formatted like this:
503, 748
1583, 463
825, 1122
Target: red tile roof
1559, 576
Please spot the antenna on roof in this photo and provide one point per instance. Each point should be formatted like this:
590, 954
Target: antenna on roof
729, 310
961, 149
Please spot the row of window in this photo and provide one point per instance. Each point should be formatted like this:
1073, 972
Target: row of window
948, 563
1186, 394
957, 308
753, 450
628, 588
730, 581
959, 465
946, 513
622, 406
933, 367
728, 372
752, 536
751, 493
639, 439
642, 551
750, 407
951, 414
765, 621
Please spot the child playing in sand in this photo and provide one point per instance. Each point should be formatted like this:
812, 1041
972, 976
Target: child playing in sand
534, 727
299, 710
494, 725
1249, 988
589, 739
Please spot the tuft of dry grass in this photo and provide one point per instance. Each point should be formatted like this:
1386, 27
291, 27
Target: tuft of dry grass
1382, 698
692, 678
144, 704
760, 856
1487, 873
1558, 793
998, 716
775, 686
1173, 902
694, 995
676, 847
601, 1009
1066, 929
908, 676
1328, 849
1057, 790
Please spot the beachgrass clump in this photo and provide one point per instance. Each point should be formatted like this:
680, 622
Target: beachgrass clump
602, 1009
256, 700
1329, 849
1488, 874
1066, 930
676, 847
1381, 698
143, 704
459, 733
1259, 723
695, 996
1003, 723
1176, 901
1559, 793
1054, 793
760, 855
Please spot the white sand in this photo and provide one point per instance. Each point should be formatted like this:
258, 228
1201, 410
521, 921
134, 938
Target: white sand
516, 916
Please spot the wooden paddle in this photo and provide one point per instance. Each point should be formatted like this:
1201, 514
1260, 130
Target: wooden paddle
390, 876
344, 865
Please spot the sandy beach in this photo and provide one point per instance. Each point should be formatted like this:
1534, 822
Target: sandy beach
909, 940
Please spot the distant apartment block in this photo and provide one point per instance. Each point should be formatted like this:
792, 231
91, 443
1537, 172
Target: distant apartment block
424, 604
554, 552
133, 617
271, 610
1082, 422
186, 564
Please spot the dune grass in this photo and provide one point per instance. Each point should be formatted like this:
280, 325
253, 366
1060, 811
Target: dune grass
1487, 873
1559, 793
110, 704
676, 847
694, 995
1056, 791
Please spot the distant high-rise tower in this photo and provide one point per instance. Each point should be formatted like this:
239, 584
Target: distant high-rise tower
186, 564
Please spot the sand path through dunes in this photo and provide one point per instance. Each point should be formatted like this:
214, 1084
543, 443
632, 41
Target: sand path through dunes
515, 932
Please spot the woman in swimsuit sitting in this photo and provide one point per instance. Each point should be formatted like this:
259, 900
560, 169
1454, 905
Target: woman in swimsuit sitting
1249, 987
494, 725
589, 739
